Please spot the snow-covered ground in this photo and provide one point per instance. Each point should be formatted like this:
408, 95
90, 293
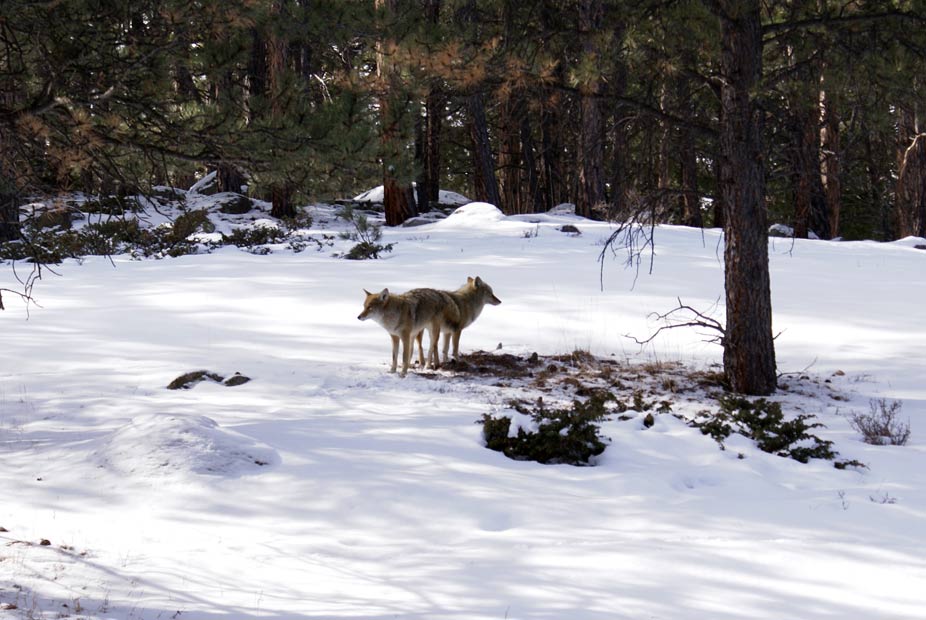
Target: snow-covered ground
327, 487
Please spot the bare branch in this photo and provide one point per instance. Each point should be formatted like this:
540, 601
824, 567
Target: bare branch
694, 318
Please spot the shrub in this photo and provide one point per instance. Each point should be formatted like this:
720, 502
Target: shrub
763, 422
366, 234
880, 425
251, 237
568, 435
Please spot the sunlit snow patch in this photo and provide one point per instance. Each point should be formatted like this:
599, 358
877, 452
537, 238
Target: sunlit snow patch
176, 444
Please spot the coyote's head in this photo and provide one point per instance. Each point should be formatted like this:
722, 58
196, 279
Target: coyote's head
484, 291
373, 304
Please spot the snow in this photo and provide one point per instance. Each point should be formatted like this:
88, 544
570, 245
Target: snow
444, 197
327, 487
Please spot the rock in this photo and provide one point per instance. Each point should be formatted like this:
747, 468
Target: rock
649, 420
234, 204
236, 379
188, 380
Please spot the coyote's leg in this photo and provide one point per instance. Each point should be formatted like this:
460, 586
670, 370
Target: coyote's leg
433, 359
418, 338
395, 352
406, 351
447, 336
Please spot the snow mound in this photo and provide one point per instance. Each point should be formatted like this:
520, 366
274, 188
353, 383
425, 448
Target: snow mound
444, 197
204, 184
565, 208
473, 215
180, 444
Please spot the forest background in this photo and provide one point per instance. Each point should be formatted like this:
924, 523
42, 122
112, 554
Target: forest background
706, 113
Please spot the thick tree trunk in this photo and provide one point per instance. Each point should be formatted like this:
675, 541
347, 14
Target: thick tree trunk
810, 214
551, 172
398, 195
830, 158
911, 190
590, 149
509, 155
748, 345
281, 193
229, 179
485, 184
434, 115
536, 204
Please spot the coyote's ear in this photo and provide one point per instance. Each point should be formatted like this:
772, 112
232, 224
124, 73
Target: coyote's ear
367, 292
478, 281
384, 294
469, 280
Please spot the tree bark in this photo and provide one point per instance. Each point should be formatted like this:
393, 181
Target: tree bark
830, 161
398, 195
748, 345
911, 190
434, 116
485, 183
509, 155
590, 149
689, 203
281, 193
810, 207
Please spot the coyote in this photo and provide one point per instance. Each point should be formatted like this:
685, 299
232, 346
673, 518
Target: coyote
460, 308
405, 316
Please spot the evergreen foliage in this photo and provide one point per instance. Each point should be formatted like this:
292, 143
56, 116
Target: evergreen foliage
563, 436
764, 422
308, 98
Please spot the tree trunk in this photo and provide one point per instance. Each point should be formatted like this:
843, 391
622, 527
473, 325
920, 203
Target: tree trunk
229, 179
810, 213
486, 185
9, 214
590, 149
689, 203
830, 157
398, 196
534, 197
748, 345
434, 116
718, 208
551, 172
509, 155
911, 190
281, 193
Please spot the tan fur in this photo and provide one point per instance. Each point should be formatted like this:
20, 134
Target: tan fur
461, 307
405, 316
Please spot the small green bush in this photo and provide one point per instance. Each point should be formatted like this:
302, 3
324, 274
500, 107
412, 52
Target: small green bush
763, 422
366, 234
251, 237
569, 435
